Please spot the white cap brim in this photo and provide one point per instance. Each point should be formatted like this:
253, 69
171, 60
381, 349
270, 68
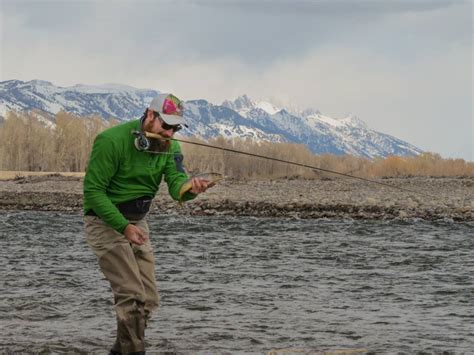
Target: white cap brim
172, 119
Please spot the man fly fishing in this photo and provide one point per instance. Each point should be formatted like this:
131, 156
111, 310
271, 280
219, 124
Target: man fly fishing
120, 182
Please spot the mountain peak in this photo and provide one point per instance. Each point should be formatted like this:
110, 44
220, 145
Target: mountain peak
242, 102
354, 121
243, 105
109, 100
268, 107
105, 88
39, 82
309, 112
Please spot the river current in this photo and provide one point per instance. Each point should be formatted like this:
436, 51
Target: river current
246, 285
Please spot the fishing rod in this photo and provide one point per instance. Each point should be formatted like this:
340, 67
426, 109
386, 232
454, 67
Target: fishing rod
157, 136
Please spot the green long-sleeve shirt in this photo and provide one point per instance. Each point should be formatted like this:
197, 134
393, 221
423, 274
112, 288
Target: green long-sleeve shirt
117, 172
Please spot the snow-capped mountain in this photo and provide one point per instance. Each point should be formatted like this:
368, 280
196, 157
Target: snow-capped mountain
109, 100
242, 117
322, 134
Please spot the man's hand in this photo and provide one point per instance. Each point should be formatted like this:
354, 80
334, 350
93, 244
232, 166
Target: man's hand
199, 185
135, 234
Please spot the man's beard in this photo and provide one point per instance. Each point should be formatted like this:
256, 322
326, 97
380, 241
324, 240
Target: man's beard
156, 144
159, 145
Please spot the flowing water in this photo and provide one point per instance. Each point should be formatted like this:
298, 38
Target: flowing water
246, 285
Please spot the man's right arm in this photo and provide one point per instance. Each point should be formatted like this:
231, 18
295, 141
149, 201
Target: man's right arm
103, 164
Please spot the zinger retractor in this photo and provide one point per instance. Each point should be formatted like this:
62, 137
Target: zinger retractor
142, 143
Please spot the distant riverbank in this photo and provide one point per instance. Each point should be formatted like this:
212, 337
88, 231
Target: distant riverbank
439, 198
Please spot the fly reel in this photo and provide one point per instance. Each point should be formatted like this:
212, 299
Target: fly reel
142, 143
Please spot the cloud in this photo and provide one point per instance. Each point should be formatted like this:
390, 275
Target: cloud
403, 66
255, 32
330, 7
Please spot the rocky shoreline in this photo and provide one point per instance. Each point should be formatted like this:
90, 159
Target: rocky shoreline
435, 198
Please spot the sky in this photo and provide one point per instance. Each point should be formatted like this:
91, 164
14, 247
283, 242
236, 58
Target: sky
402, 66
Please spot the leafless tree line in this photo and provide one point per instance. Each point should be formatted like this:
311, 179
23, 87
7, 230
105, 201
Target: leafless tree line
33, 142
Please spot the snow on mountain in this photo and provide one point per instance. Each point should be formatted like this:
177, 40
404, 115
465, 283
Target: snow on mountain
207, 120
354, 121
111, 100
243, 105
313, 119
268, 107
321, 133
105, 88
242, 117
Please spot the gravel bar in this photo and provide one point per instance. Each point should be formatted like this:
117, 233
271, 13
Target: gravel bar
433, 199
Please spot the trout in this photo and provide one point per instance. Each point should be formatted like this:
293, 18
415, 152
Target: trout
212, 178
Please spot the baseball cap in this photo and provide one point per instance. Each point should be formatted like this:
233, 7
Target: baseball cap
169, 107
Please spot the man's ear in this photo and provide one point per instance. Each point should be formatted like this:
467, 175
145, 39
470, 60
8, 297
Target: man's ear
149, 113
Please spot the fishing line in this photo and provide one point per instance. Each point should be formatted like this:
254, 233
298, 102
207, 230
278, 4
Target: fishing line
152, 135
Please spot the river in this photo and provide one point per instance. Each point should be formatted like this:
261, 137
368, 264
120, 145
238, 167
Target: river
247, 285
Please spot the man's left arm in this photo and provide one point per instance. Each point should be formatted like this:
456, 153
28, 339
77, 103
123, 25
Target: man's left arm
175, 174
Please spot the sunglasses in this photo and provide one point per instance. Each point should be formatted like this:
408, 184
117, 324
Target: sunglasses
166, 126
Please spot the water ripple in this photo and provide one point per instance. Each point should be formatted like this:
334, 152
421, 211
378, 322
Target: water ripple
240, 285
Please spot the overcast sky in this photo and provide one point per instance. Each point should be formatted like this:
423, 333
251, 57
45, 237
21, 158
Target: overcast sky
403, 66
